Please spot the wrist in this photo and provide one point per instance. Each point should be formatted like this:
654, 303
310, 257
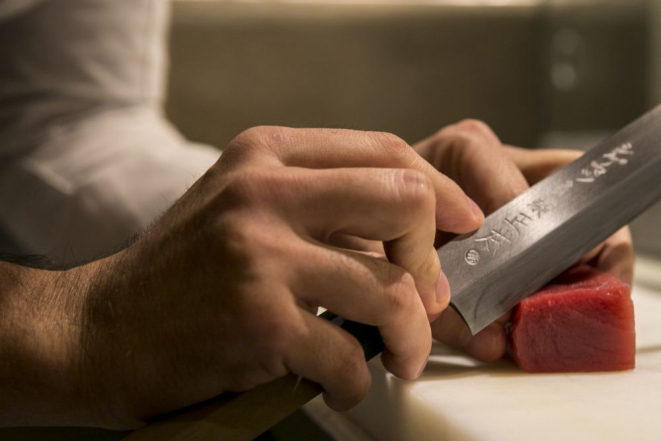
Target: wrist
105, 353
52, 370
40, 325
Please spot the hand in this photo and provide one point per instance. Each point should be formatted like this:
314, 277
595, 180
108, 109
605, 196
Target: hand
221, 294
493, 174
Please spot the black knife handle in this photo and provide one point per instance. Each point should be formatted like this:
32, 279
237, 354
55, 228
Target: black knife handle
368, 336
243, 416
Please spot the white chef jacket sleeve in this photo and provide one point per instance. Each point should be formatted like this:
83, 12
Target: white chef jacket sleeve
86, 157
96, 184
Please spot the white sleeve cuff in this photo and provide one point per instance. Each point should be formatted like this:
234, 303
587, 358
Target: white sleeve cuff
94, 185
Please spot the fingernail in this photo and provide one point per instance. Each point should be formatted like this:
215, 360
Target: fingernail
442, 289
476, 210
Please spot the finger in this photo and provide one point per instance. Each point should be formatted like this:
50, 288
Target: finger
616, 256
354, 243
472, 155
330, 148
370, 291
592, 254
327, 355
538, 164
487, 345
391, 205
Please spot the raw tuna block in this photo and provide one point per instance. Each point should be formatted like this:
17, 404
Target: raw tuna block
581, 322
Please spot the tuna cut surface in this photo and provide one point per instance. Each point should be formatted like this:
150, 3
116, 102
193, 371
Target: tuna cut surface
583, 321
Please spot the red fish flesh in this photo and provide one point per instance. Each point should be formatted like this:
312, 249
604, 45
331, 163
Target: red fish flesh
583, 321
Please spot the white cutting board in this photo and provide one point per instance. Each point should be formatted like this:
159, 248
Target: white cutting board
459, 399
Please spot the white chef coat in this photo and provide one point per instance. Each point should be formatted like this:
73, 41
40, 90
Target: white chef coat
86, 156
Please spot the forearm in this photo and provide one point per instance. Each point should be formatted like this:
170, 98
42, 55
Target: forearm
40, 323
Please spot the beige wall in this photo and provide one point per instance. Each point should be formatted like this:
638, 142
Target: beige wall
406, 68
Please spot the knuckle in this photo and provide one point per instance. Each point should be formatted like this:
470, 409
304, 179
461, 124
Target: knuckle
270, 135
249, 185
351, 361
237, 236
392, 144
469, 135
414, 188
466, 139
238, 192
244, 142
274, 332
237, 230
431, 266
257, 253
399, 289
477, 127
258, 138
250, 137
209, 183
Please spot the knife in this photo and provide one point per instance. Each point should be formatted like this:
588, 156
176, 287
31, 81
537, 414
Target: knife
536, 236
518, 249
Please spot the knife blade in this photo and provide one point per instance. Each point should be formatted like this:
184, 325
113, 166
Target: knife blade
519, 248
533, 238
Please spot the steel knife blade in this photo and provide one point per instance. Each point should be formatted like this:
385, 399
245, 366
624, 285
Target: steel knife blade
533, 238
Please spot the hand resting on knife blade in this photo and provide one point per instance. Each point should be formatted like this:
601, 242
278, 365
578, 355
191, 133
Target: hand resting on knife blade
492, 174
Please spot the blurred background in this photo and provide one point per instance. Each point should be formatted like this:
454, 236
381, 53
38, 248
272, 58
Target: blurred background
536, 71
541, 73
